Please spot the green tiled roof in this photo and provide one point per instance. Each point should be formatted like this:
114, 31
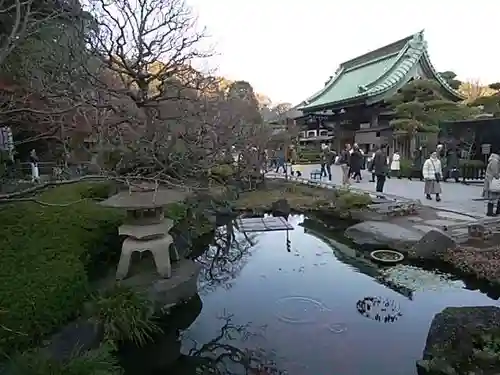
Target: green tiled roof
379, 73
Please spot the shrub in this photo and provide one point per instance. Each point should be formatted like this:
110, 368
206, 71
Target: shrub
406, 168
100, 190
176, 212
347, 200
471, 163
309, 156
124, 314
46, 253
94, 362
223, 171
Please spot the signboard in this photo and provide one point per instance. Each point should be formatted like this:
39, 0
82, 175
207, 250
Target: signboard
486, 148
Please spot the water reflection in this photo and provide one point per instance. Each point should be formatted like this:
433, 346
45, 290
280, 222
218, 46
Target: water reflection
225, 258
220, 357
175, 352
315, 301
379, 309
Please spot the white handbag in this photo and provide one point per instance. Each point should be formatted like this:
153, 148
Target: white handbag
495, 185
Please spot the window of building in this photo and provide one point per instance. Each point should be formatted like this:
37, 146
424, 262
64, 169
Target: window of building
311, 133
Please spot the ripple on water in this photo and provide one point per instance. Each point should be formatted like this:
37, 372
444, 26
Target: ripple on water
337, 327
299, 310
306, 310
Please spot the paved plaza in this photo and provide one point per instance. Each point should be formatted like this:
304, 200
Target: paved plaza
456, 196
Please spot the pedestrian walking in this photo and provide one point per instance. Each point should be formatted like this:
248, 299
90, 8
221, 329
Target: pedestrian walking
491, 189
370, 164
396, 165
417, 164
433, 174
380, 167
35, 173
343, 161
327, 159
356, 161
280, 160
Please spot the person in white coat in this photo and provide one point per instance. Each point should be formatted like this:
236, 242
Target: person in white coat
396, 165
432, 173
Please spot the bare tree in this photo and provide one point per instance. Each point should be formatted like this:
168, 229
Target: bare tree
281, 108
474, 89
172, 120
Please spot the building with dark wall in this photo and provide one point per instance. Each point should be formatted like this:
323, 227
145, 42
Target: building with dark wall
353, 103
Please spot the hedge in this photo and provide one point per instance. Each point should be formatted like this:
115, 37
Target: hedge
47, 253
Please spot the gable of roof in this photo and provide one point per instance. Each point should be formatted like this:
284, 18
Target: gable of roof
382, 71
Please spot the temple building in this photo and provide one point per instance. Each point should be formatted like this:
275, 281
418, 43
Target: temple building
352, 106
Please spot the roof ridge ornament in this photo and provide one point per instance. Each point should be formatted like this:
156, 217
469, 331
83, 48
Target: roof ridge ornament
417, 40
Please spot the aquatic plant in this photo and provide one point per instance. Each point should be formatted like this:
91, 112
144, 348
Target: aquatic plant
418, 279
124, 315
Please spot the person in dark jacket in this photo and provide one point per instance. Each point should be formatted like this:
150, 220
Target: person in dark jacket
452, 170
327, 158
417, 164
380, 167
280, 160
344, 159
356, 161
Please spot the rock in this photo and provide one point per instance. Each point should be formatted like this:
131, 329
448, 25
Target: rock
281, 208
78, 336
165, 293
165, 348
432, 245
454, 342
383, 234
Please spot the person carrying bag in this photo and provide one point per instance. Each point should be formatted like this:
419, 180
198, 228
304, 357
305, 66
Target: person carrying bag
491, 188
432, 174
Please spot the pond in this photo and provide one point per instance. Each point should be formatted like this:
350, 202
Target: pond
300, 302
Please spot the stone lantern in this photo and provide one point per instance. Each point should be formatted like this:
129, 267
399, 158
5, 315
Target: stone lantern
146, 227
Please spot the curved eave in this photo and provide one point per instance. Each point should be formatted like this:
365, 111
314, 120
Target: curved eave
407, 59
318, 94
394, 78
450, 90
355, 100
399, 76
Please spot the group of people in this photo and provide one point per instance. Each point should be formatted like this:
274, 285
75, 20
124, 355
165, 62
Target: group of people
383, 167
351, 160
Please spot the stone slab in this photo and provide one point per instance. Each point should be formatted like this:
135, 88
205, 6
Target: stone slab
424, 228
263, 224
440, 223
380, 233
454, 216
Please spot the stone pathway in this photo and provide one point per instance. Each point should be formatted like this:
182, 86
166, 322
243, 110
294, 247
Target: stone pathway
456, 197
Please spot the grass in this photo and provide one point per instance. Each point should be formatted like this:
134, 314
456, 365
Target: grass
47, 255
301, 198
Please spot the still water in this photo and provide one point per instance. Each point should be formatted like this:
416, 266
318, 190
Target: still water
301, 303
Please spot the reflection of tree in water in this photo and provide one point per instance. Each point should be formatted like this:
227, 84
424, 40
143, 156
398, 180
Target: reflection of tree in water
379, 309
222, 262
218, 356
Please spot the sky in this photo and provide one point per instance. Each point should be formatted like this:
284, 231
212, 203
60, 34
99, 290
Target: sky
287, 49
